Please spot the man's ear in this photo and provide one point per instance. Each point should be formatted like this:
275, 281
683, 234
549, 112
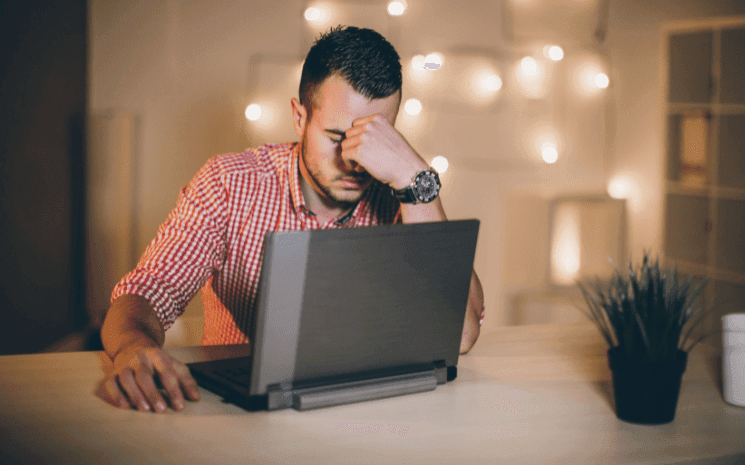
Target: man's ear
299, 117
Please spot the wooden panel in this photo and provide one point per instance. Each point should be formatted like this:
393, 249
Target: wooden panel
686, 237
733, 66
732, 151
731, 235
690, 67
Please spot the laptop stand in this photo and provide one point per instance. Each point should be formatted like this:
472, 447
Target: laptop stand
284, 395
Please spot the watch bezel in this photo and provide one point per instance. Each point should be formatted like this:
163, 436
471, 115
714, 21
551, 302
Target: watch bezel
417, 185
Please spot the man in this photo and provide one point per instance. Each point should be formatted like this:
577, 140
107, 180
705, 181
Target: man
351, 168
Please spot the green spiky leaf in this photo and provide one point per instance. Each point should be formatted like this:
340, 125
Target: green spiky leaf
649, 312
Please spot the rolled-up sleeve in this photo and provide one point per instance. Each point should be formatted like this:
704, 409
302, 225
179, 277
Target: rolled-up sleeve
188, 248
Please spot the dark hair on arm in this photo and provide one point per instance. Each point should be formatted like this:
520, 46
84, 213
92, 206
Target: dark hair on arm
367, 61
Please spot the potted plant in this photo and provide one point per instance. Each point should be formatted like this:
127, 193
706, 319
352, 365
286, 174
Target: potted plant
648, 317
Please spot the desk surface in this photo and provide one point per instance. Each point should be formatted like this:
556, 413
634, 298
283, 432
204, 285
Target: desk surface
534, 394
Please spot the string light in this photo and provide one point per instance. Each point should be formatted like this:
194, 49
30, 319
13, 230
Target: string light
588, 77
602, 80
440, 164
531, 78
313, 14
319, 14
529, 66
417, 62
253, 112
396, 8
433, 61
553, 52
413, 106
549, 153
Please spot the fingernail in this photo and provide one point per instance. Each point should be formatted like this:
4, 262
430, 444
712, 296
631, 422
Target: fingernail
178, 404
160, 406
144, 406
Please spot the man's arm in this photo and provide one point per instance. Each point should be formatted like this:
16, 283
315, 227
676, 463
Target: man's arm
374, 145
133, 338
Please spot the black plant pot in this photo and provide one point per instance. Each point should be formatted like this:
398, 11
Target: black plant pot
646, 392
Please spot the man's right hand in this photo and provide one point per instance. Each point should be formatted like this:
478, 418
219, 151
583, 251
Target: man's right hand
139, 373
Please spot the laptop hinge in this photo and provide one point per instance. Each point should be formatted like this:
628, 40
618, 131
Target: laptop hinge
284, 396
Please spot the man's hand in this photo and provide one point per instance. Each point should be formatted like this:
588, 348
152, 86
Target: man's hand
137, 375
372, 144
474, 314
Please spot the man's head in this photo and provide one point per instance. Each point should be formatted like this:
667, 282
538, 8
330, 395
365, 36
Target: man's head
362, 57
349, 73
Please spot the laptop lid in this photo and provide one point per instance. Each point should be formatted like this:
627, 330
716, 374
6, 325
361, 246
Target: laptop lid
357, 300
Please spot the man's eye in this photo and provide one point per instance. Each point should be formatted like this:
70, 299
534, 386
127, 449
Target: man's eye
337, 141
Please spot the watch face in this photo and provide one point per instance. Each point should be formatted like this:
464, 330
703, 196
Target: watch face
427, 186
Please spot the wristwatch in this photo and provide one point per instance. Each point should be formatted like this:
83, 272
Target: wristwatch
424, 188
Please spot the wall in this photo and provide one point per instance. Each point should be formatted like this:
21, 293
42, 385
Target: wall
638, 102
43, 98
185, 70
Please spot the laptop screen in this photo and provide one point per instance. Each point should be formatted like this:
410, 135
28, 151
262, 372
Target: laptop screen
335, 302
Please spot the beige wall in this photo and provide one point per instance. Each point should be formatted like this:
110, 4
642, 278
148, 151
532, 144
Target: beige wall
183, 67
637, 103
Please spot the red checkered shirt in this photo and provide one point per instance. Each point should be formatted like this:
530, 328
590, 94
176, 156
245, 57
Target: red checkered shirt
214, 238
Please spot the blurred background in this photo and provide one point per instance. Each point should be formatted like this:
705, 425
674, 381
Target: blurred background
577, 131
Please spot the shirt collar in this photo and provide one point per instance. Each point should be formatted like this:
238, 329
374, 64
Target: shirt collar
296, 194
298, 200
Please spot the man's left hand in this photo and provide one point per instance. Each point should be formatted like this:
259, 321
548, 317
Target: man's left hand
474, 314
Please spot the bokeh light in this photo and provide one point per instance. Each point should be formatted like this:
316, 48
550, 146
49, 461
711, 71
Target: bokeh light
253, 112
531, 78
602, 80
440, 164
313, 14
413, 106
433, 61
396, 8
553, 52
549, 153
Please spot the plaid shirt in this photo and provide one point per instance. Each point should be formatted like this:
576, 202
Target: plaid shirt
214, 238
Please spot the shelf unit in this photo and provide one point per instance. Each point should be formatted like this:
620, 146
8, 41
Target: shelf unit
704, 226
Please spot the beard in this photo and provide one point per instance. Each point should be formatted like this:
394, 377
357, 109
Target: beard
330, 194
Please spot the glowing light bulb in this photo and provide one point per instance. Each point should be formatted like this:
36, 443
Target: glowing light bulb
622, 186
492, 83
396, 8
432, 61
440, 164
413, 106
313, 14
602, 80
529, 66
253, 112
549, 153
417, 62
553, 52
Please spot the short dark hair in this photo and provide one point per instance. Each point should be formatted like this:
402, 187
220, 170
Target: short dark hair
362, 57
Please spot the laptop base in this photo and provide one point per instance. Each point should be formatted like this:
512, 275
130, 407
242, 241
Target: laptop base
305, 398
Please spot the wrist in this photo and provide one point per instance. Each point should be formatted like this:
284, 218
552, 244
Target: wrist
407, 176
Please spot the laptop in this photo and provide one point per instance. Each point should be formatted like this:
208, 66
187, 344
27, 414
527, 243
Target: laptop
353, 314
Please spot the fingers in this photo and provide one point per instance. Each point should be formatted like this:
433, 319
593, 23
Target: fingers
128, 381
133, 383
188, 384
109, 391
471, 330
365, 119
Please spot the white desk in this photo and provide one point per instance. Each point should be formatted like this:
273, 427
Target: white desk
527, 395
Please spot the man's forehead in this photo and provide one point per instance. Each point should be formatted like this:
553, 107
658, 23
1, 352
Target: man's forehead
337, 104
